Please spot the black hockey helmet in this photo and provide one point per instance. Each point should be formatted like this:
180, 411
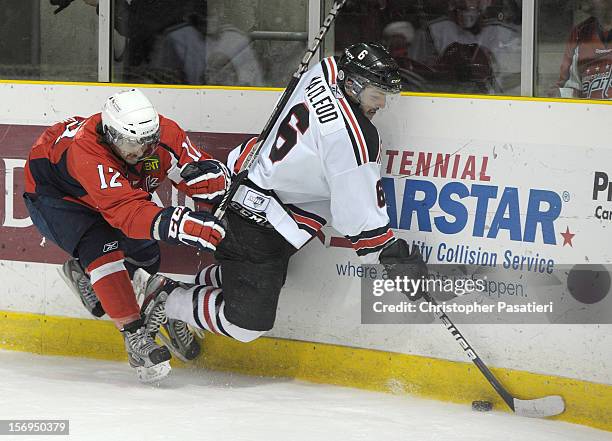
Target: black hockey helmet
370, 62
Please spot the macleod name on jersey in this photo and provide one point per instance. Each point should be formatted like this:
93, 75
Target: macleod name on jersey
321, 100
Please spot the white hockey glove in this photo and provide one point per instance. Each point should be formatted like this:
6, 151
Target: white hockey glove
181, 225
206, 180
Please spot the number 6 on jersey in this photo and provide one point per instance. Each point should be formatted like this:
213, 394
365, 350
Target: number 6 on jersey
297, 120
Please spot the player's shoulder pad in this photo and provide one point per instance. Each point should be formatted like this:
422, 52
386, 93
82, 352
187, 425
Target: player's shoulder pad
168, 126
321, 99
171, 137
361, 132
89, 139
170, 134
89, 150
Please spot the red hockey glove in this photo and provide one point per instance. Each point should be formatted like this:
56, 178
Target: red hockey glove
206, 180
198, 229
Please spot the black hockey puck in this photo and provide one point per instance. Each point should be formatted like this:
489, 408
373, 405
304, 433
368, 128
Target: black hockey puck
482, 406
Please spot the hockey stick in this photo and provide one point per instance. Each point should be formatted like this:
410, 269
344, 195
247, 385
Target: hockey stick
537, 408
284, 99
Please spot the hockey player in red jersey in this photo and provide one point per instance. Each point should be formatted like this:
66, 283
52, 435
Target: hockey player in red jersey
586, 69
88, 189
320, 165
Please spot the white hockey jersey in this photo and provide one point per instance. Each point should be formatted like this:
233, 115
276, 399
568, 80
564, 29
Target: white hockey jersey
322, 162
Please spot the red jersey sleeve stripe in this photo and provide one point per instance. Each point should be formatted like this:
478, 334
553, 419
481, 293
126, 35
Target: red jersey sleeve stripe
247, 149
310, 222
374, 241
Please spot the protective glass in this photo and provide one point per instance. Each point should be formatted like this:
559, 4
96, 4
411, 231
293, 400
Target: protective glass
469, 17
372, 99
133, 149
373, 96
468, 13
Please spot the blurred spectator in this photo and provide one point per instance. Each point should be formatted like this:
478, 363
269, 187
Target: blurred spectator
231, 59
165, 40
587, 62
159, 37
397, 37
178, 55
359, 20
176, 42
476, 48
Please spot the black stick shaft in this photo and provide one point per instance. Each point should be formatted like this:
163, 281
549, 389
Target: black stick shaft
282, 102
471, 353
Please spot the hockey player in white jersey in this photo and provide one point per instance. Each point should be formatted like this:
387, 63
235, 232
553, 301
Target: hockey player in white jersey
319, 166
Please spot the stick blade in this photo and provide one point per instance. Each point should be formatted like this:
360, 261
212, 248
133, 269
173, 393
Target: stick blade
539, 407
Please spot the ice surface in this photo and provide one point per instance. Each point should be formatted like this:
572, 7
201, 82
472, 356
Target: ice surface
104, 401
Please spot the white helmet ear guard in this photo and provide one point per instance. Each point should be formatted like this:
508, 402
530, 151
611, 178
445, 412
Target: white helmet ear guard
130, 122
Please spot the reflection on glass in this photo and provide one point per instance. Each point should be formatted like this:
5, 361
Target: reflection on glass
206, 42
38, 44
581, 61
159, 42
456, 46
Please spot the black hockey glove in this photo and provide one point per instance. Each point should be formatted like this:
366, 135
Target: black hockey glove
206, 180
400, 262
181, 225
62, 4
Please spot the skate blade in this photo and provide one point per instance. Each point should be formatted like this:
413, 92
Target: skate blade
153, 374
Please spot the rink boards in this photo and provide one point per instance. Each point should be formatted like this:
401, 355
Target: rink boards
538, 165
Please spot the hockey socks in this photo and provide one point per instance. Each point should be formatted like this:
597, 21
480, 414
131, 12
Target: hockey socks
202, 307
209, 276
111, 283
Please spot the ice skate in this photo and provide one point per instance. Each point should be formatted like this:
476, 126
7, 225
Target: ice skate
80, 284
177, 336
151, 361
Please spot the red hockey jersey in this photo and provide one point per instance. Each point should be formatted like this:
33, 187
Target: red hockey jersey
69, 161
587, 61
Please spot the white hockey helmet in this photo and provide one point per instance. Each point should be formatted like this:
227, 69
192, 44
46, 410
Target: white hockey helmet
131, 125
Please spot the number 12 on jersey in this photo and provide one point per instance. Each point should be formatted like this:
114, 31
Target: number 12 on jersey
113, 181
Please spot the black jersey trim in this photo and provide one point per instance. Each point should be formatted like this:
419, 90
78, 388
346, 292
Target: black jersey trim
196, 306
218, 305
351, 136
325, 71
170, 150
369, 131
